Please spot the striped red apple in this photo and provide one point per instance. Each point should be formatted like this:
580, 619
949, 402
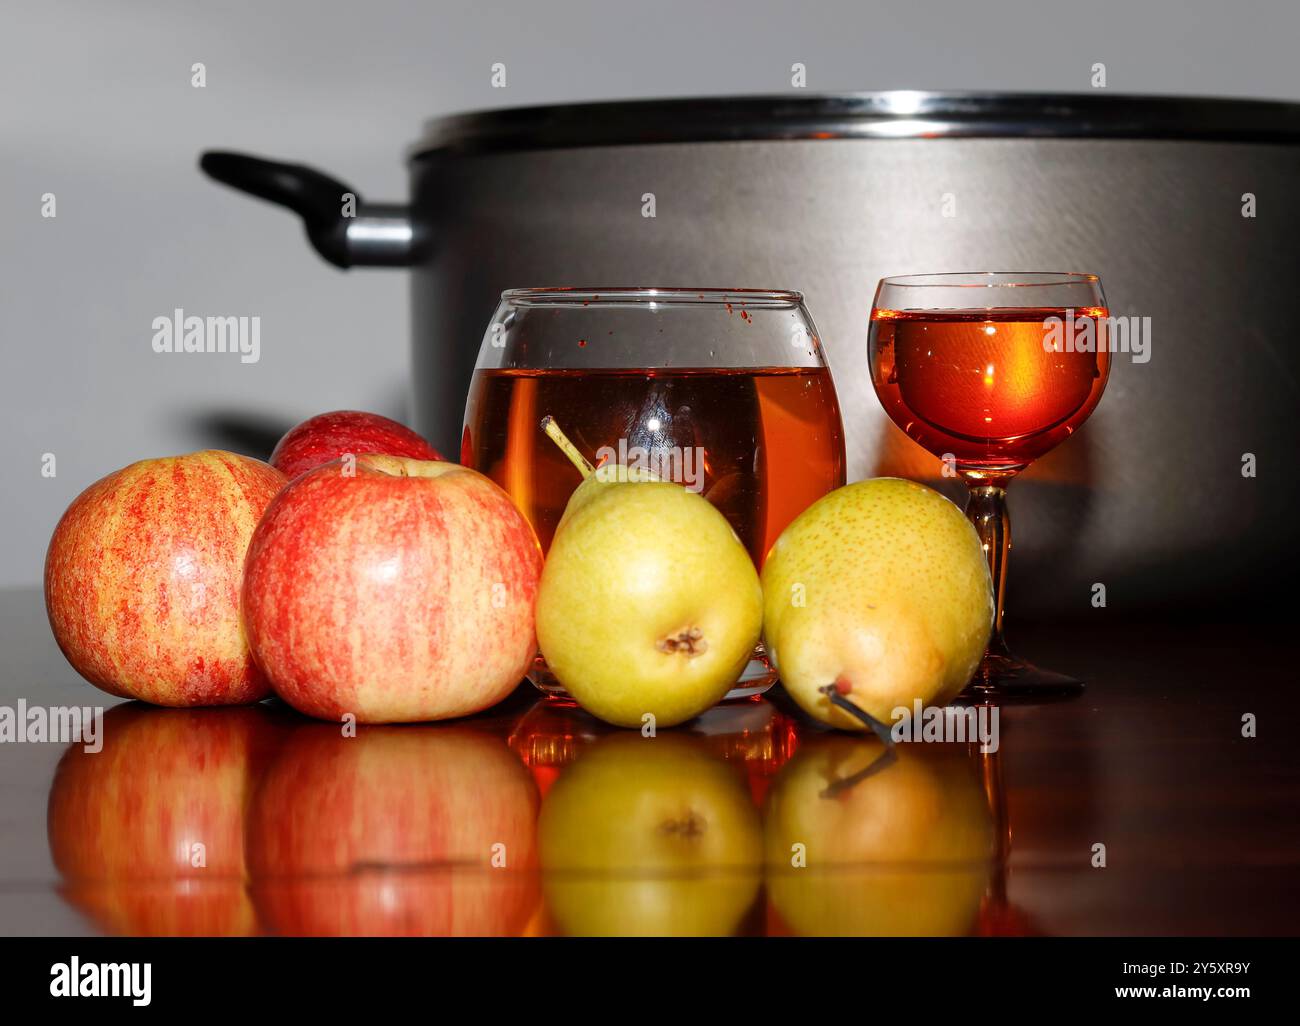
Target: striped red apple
143, 575
392, 589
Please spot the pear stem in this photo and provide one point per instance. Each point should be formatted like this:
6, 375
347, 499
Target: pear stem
557, 436
836, 698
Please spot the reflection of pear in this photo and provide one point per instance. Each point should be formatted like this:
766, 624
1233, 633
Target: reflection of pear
648, 603
882, 588
895, 846
649, 837
411, 831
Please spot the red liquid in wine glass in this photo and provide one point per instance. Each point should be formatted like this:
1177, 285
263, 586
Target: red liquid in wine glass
989, 386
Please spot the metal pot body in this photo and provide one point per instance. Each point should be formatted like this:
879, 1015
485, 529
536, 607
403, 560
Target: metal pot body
1150, 499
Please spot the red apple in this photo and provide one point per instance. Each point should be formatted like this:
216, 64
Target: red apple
394, 590
143, 573
148, 834
412, 831
327, 436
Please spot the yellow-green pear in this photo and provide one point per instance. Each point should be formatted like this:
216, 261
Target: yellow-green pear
594, 484
649, 605
881, 589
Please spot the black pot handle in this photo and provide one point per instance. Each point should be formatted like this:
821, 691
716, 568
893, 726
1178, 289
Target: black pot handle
345, 230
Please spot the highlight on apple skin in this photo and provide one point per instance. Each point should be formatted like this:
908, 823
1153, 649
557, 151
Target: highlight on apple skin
397, 590
327, 436
142, 579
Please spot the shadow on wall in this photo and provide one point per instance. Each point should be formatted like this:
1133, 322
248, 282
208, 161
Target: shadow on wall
1229, 578
255, 432
249, 434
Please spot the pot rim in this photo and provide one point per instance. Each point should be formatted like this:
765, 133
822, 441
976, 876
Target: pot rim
892, 114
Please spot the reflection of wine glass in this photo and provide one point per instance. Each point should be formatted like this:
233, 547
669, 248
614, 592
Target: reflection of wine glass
989, 371
999, 917
725, 391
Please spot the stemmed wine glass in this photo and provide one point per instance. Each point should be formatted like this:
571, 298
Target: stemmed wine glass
989, 371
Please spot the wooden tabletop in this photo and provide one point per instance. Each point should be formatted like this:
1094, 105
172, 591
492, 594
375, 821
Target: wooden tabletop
1140, 808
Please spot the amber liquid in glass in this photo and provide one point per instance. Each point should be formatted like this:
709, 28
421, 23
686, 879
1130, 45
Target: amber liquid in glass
992, 387
764, 443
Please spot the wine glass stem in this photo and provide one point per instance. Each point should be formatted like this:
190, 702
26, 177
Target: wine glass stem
987, 510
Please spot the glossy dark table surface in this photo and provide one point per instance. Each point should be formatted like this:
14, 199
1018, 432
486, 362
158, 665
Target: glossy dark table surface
535, 819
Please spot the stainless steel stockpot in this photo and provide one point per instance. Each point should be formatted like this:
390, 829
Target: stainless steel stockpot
1187, 208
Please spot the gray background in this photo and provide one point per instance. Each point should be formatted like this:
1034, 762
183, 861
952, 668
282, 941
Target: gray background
96, 106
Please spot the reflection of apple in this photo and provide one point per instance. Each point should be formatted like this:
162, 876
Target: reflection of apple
327, 436
143, 573
893, 848
392, 832
649, 836
148, 834
397, 590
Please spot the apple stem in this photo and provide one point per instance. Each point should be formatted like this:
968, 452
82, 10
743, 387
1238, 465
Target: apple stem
557, 436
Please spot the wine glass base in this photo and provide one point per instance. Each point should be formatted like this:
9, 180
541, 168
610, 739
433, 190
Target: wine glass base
758, 676
1005, 677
